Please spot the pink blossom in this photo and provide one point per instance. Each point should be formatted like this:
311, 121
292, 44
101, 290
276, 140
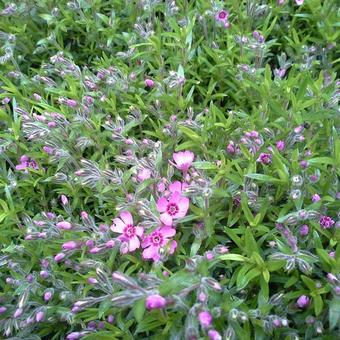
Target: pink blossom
130, 233
70, 245
222, 16
299, 2
143, 174
205, 319
280, 145
326, 222
183, 160
155, 301
265, 158
214, 335
149, 83
158, 239
64, 225
64, 199
303, 301
174, 208
316, 198
25, 163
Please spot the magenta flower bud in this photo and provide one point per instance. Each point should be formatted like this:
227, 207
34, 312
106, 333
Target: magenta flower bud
103, 227
165, 273
298, 129
101, 325
89, 100
40, 316
36, 96
64, 225
205, 319
303, 301
129, 141
95, 250
48, 150
304, 164
84, 215
331, 278
92, 325
30, 278
149, 83
70, 245
332, 254
9, 280
75, 309
73, 336
50, 215
280, 145
51, 124
71, 103
337, 290
42, 235
110, 319
64, 199
2, 309
277, 323
214, 335
92, 280
89, 243
316, 198
48, 296
230, 148
265, 158
110, 244
44, 263
209, 255
18, 313
304, 230
202, 297
326, 222
155, 301
59, 257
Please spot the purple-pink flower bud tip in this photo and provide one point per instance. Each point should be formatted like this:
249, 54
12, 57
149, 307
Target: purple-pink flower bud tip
149, 83
303, 301
47, 296
155, 301
18, 313
205, 319
40, 316
64, 225
214, 335
70, 245
2, 309
59, 257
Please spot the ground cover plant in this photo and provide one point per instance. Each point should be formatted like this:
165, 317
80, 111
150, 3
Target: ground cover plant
169, 169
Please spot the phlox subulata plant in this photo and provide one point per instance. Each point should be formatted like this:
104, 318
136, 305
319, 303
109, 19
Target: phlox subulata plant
169, 169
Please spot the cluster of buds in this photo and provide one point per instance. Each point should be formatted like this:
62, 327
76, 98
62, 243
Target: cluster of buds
252, 140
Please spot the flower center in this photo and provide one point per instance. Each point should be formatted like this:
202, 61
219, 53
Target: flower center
222, 15
129, 231
172, 209
156, 238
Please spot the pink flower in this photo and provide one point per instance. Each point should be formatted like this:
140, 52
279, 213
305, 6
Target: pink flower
64, 225
222, 16
303, 301
143, 174
155, 301
25, 163
130, 233
205, 319
149, 83
326, 222
214, 335
316, 198
176, 207
183, 160
158, 239
280, 145
177, 186
299, 2
265, 158
64, 199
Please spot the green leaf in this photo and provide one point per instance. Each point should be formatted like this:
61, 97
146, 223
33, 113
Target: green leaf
234, 257
139, 310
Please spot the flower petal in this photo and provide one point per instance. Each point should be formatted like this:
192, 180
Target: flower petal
166, 219
126, 217
139, 231
175, 197
162, 203
151, 253
167, 231
118, 225
134, 243
175, 186
173, 247
183, 205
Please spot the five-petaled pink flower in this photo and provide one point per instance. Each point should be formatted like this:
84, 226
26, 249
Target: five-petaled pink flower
158, 239
222, 16
130, 233
174, 207
183, 160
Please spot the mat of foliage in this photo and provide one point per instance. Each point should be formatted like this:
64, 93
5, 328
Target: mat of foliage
169, 169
